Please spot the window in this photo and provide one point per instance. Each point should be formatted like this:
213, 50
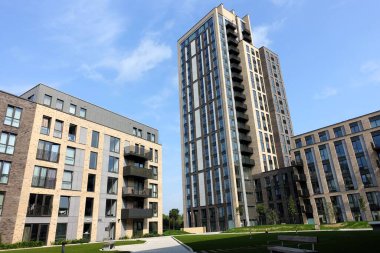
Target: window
148, 136
13, 116
153, 138
339, 131
72, 132
154, 188
111, 207
73, 109
154, 206
67, 180
48, 151
156, 156
59, 104
95, 139
355, 127
7, 143
2, 196
89, 206
309, 140
112, 185
44, 177
376, 138
47, 100
91, 182
35, 232
323, 136
375, 121
40, 205
87, 231
139, 133
82, 112
93, 160
61, 231
64, 206
134, 132
154, 171
5, 167
31, 98
114, 144
45, 126
113, 164
298, 143
70, 156
58, 127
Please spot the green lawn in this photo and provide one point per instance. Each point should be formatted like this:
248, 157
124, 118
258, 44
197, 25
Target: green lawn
300, 227
81, 248
329, 241
175, 232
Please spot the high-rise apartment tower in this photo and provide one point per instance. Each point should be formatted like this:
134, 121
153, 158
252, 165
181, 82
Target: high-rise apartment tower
226, 122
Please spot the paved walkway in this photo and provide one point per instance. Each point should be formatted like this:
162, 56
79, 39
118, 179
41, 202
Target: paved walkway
163, 244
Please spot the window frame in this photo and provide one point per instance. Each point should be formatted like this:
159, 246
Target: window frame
2, 174
46, 184
82, 110
13, 120
7, 143
57, 102
96, 160
46, 96
66, 182
47, 152
71, 159
57, 133
72, 106
45, 130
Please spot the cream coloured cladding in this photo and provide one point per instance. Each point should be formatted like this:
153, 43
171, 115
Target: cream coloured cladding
81, 176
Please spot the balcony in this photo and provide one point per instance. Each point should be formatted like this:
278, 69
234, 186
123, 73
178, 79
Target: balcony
233, 50
136, 213
135, 152
132, 192
297, 163
243, 127
248, 162
247, 37
232, 33
246, 150
230, 25
133, 171
37, 210
239, 96
238, 86
240, 107
242, 116
300, 178
237, 77
376, 147
232, 42
234, 59
245, 138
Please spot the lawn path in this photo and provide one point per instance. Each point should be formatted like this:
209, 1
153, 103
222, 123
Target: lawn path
163, 244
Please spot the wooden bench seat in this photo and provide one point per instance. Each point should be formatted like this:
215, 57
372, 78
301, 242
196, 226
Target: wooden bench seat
299, 240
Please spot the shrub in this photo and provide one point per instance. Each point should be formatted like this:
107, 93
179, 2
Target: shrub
151, 235
21, 245
75, 241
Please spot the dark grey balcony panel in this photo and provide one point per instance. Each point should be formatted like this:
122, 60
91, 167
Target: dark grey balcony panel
133, 152
242, 116
246, 32
133, 192
243, 127
237, 77
240, 107
136, 213
238, 86
239, 96
233, 50
247, 162
234, 58
230, 25
245, 138
232, 41
133, 171
244, 149
231, 33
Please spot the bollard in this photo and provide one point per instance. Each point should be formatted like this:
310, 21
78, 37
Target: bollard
63, 247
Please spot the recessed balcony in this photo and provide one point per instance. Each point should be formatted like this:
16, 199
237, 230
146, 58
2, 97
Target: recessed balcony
136, 213
235, 68
297, 163
137, 153
247, 37
300, 178
245, 138
233, 50
237, 77
247, 162
134, 171
134, 192
239, 96
238, 86
231, 33
375, 146
230, 25
242, 117
246, 150
240, 106
243, 127
232, 41
234, 59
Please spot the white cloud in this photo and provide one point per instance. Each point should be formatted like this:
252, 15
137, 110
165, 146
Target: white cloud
372, 70
261, 33
85, 23
162, 97
145, 57
326, 93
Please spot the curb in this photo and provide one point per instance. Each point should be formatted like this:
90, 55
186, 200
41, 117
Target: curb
184, 245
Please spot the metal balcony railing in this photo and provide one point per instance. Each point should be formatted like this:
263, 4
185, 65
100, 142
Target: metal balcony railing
136, 213
137, 152
134, 192
38, 210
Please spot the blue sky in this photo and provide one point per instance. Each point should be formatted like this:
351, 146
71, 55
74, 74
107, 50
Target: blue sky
122, 56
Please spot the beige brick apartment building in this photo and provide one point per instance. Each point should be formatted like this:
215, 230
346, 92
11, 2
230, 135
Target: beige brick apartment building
70, 169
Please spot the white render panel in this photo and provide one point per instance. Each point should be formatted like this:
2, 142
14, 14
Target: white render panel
198, 130
195, 94
194, 68
199, 155
193, 50
202, 193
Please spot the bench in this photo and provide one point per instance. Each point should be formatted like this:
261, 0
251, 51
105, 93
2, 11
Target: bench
299, 240
375, 225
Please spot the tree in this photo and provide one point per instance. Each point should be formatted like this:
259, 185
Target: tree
173, 215
261, 210
272, 216
362, 206
292, 209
